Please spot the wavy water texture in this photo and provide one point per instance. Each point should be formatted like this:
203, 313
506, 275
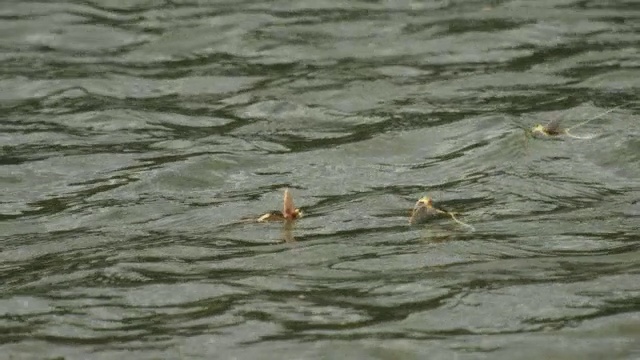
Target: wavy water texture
137, 134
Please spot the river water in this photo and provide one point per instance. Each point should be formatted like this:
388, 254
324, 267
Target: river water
135, 136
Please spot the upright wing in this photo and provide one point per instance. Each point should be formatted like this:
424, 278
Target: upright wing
553, 127
289, 209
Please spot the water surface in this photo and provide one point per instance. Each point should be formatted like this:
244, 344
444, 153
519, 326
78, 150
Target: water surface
136, 134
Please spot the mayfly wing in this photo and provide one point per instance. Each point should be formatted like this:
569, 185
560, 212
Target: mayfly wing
288, 208
553, 126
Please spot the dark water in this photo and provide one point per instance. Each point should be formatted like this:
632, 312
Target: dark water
136, 134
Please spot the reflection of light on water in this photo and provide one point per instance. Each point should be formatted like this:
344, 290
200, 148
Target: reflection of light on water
287, 231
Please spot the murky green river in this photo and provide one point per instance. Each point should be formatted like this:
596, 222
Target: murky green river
135, 137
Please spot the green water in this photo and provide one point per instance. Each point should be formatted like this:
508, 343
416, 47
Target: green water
136, 134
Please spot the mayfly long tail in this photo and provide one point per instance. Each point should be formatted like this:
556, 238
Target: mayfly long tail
461, 222
585, 137
597, 116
